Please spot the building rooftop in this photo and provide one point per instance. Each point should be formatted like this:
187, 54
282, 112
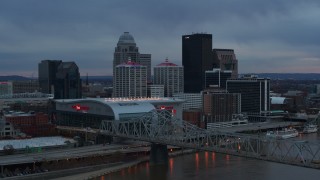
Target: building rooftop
126, 38
130, 63
167, 63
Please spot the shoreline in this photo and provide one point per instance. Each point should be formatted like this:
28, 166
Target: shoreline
116, 168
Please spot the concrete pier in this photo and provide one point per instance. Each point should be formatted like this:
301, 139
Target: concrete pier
158, 154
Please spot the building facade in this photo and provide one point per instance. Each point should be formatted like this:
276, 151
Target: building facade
90, 112
60, 78
255, 93
220, 106
217, 78
29, 86
47, 70
191, 100
130, 80
145, 60
68, 83
171, 76
196, 59
155, 90
6, 88
127, 48
225, 59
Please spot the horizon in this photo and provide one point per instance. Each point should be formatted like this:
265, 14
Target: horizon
269, 36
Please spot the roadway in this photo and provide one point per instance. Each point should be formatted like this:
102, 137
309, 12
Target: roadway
66, 153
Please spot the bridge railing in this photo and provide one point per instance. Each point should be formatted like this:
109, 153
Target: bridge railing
161, 127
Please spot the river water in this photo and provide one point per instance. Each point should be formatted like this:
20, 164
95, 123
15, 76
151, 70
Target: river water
214, 166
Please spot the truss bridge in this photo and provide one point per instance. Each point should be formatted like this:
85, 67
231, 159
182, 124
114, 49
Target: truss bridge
160, 127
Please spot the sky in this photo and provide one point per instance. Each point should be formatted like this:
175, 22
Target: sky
268, 36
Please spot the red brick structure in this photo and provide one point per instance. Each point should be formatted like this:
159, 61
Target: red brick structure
31, 124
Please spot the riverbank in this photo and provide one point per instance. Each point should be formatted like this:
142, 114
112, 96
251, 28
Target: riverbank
119, 167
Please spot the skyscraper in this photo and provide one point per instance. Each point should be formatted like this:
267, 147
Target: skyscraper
59, 78
196, 59
47, 70
171, 76
255, 93
225, 59
145, 59
130, 80
127, 48
68, 82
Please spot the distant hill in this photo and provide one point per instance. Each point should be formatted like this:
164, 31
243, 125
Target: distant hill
293, 76
14, 78
296, 76
97, 77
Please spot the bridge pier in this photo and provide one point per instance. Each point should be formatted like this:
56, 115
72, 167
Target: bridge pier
158, 154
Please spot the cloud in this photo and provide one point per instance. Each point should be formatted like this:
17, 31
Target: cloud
282, 35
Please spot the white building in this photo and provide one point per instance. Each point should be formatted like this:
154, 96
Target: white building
127, 48
155, 90
130, 80
6, 88
171, 76
90, 112
191, 100
7, 129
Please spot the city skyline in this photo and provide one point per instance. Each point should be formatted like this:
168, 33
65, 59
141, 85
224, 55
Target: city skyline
268, 36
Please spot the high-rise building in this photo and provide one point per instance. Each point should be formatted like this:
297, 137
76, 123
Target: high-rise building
68, 82
130, 80
255, 93
145, 60
47, 70
127, 48
217, 78
196, 59
225, 59
171, 76
59, 78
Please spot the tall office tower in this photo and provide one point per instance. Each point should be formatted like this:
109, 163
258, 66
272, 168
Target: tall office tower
145, 60
225, 59
196, 59
47, 70
127, 48
255, 93
171, 76
130, 80
68, 82
219, 106
59, 78
217, 78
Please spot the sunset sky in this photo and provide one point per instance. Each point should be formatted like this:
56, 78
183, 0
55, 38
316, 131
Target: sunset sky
275, 36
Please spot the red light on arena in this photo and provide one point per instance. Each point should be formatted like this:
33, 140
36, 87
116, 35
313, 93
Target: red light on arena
78, 107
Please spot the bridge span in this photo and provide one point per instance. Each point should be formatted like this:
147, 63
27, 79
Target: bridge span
161, 128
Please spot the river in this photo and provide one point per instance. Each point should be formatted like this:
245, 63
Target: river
214, 166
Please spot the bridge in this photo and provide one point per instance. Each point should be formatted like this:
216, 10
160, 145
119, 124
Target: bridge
161, 129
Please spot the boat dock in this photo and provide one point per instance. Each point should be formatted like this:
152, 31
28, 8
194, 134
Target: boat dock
263, 126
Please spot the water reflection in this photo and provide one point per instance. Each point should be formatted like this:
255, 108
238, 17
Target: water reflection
210, 165
171, 165
197, 161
